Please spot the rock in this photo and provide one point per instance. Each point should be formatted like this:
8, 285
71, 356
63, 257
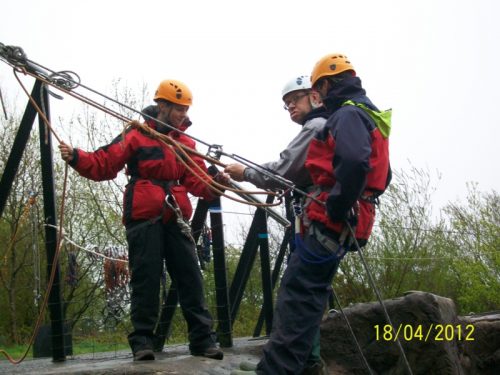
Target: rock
435, 340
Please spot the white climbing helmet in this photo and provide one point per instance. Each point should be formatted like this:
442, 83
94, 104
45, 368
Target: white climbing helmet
295, 84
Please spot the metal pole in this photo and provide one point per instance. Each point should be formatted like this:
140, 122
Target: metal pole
243, 269
49, 206
16, 153
224, 329
265, 264
274, 276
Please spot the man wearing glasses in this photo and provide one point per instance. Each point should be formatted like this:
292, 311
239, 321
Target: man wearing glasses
305, 108
348, 162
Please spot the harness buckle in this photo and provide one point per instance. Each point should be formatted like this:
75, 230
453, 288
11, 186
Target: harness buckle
336, 248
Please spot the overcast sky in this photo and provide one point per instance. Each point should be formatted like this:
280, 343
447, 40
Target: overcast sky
435, 63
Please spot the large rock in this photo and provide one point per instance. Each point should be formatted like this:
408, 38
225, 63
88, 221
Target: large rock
435, 340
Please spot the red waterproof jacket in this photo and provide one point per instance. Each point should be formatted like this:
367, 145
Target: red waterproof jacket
152, 167
349, 162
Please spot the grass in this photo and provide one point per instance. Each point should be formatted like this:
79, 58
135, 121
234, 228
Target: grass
80, 346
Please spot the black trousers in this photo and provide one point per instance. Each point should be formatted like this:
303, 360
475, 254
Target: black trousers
149, 245
301, 302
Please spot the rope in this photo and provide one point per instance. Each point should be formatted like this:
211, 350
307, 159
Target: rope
171, 143
50, 283
66, 239
19, 60
15, 57
358, 346
37, 108
379, 297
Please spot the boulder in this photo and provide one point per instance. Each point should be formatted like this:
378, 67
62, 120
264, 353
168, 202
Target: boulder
435, 340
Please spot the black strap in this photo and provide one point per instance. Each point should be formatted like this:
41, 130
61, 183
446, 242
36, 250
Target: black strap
143, 224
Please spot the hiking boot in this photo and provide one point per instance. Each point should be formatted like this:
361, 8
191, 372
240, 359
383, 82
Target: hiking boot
144, 355
248, 366
317, 368
210, 352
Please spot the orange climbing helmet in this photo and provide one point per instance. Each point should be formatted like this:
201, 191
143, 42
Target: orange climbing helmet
330, 65
174, 91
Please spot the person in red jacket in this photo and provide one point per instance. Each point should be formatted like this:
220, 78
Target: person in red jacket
155, 211
348, 161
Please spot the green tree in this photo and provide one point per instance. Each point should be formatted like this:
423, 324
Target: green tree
16, 233
475, 241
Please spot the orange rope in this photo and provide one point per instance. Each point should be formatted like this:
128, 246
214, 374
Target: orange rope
39, 111
50, 283
214, 186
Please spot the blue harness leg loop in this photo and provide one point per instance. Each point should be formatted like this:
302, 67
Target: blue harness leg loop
337, 250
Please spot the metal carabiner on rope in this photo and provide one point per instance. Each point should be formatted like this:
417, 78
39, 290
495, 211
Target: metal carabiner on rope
215, 151
183, 225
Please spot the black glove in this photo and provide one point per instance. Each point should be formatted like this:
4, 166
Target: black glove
217, 176
335, 209
213, 171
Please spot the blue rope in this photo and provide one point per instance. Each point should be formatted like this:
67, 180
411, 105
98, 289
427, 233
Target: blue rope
312, 258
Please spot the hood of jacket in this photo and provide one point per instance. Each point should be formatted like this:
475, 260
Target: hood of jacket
347, 89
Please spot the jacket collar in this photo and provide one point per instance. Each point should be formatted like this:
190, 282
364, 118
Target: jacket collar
315, 113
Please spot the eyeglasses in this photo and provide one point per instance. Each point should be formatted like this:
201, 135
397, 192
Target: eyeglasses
293, 100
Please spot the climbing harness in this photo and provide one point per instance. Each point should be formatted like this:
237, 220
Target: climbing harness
337, 251
336, 247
